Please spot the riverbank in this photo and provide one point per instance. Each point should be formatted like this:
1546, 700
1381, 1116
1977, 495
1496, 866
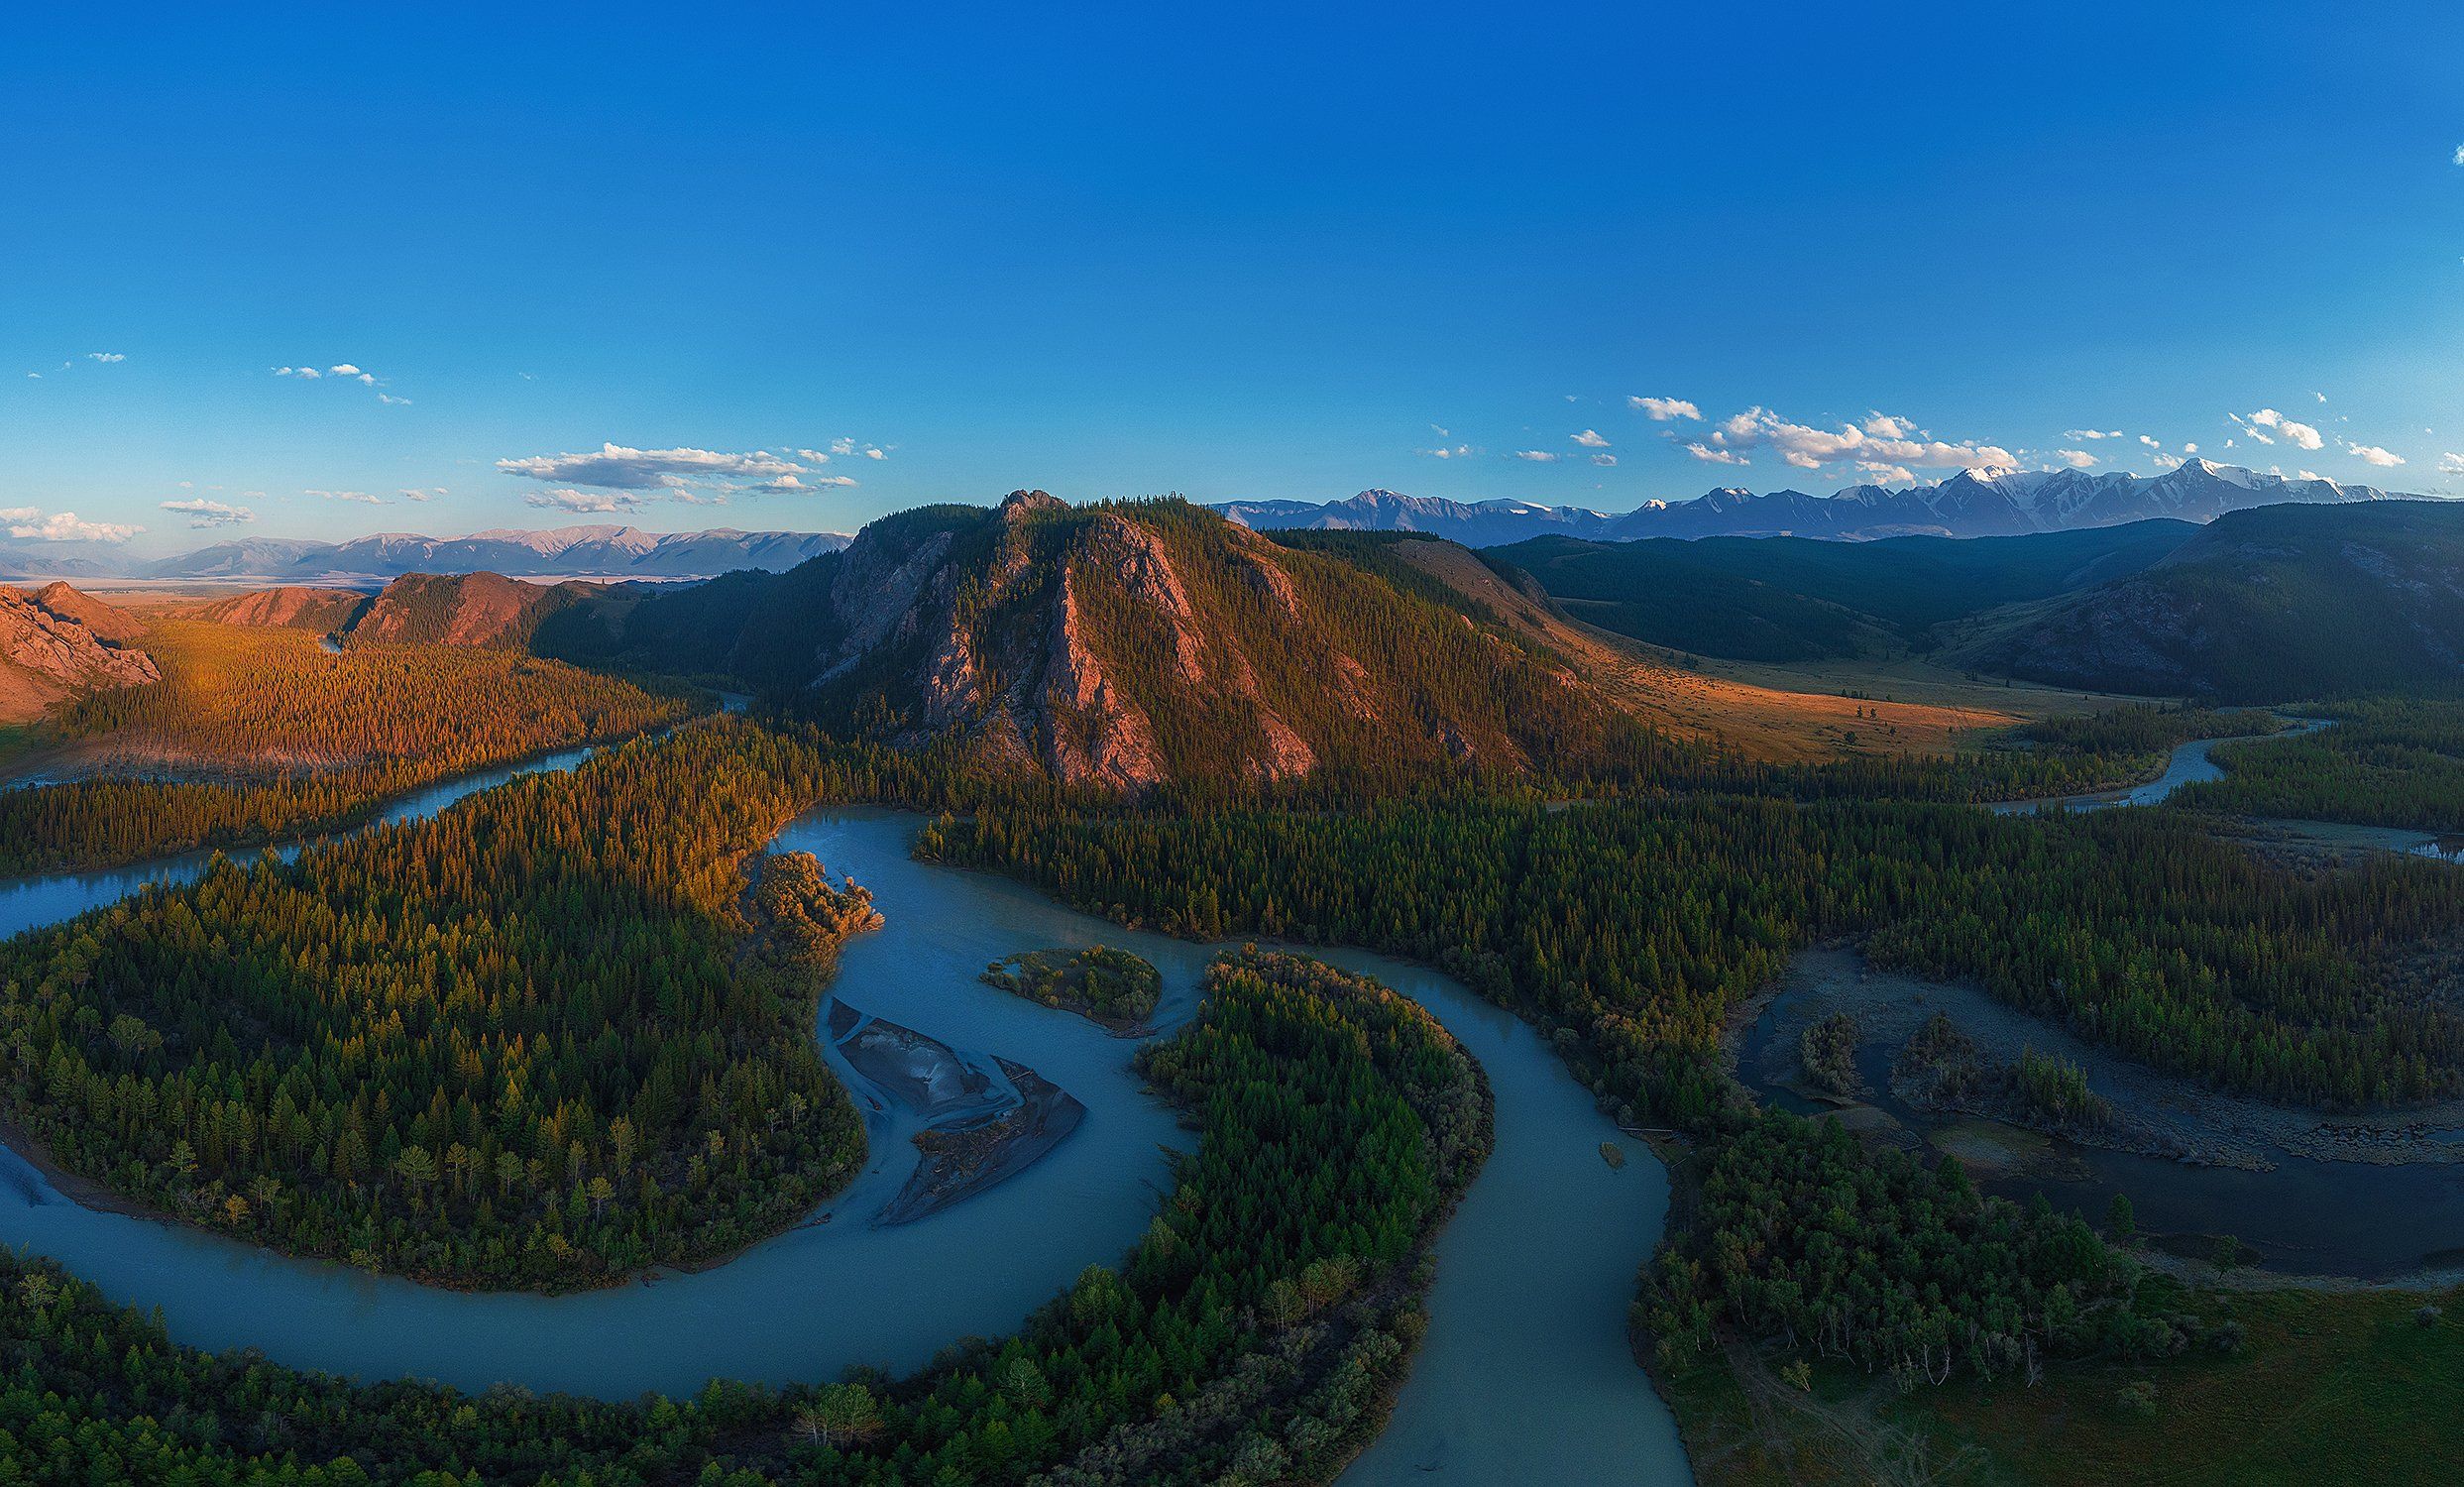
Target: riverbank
2373, 1196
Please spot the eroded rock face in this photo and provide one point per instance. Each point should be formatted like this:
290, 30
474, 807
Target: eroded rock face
1092, 735
107, 621
879, 589
1136, 557
1111, 648
1262, 573
51, 644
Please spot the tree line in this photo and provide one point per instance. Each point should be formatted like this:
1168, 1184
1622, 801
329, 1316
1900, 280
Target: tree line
1636, 927
1255, 1334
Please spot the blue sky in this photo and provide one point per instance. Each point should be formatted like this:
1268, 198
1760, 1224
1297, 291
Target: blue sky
1126, 250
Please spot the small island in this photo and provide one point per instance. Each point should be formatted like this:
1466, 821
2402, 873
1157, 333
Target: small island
1106, 985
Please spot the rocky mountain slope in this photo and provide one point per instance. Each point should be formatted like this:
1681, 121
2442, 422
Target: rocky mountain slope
57, 642
1971, 504
294, 607
1122, 647
2263, 606
416, 609
461, 609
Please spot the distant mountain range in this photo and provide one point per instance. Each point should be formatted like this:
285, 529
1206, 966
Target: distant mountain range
1971, 504
564, 551
598, 551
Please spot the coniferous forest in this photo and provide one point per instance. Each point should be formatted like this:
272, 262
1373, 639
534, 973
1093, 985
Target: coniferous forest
562, 1033
253, 736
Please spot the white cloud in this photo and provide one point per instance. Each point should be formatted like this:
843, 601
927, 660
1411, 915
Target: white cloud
1604, 459
1451, 452
2166, 461
2321, 396
2189, 449
64, 526
2459, 155
395, 402
2077, 459
822, 457
1884, 426
789, 485
1885, 474
2451, 464
1808, 448
1664, 409
1440, 432
203, 513
345, 368
2372, 454
2150, 442
2299, 435
310, 372
2090, 434
617, 467
875, 452
106, 357
1537, 456
1711, 456
416, 494
1590, 439
360, 497
587, 503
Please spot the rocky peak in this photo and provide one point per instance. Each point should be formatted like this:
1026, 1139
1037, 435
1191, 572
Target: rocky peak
51, 653
1018, 506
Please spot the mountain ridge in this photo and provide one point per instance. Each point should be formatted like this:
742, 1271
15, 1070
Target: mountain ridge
592, 550
1118, 647
2267, 605
1967, 503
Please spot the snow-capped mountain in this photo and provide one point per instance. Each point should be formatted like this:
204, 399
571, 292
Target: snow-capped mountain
1481, 523
1971, 504
599, 551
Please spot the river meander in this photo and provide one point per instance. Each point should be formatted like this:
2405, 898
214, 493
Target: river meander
1524, 1374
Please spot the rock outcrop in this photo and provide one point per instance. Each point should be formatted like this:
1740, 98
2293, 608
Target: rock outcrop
1122, 647
58, 642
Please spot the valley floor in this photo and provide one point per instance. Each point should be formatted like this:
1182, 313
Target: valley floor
2327, 1389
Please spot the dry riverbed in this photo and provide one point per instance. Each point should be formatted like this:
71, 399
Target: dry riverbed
983, 1125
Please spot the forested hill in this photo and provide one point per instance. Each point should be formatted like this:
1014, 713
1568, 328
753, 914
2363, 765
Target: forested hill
416, 609
1123, 646
1797, 599
2270, 605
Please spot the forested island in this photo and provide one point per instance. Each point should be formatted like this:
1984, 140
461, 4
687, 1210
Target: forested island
1112, 986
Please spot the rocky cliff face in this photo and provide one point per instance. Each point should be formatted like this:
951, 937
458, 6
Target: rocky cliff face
1113, 648
1120, 647
57, 642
